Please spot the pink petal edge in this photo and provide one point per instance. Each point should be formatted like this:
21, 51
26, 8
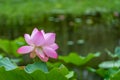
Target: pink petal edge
50, 52
45, 59
41, 55
35, 30
54, 46
38, 39
25, 49
28, 39
49, 38
43, 32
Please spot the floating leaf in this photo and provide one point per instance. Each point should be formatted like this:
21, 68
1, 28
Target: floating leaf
70, 75
4, 45
115, 76
5, 62
11, 46
76, 59
117, 51
106, 73
20, 74
1, 56
56, 74
110, 64
36, 66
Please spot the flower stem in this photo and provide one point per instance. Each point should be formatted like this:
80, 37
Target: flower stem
36, 59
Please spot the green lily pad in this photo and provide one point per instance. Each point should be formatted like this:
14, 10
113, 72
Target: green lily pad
76, 59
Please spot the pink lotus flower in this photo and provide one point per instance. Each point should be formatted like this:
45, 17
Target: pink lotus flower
41, 44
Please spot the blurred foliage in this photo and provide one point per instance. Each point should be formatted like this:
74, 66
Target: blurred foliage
5, 62
109, 64
36, 66
17, 15
9, 47
116, 75
17, 7
75, 59
33, 71
109, 70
